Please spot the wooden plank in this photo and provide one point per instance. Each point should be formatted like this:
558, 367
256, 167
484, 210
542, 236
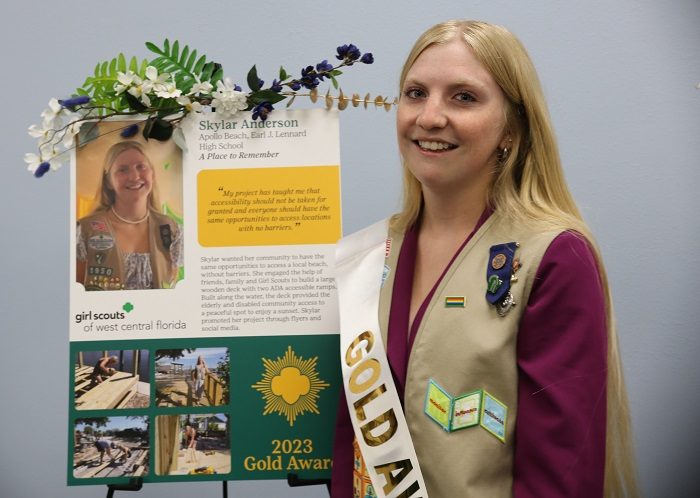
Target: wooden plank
108, 393
105, 463
126, 398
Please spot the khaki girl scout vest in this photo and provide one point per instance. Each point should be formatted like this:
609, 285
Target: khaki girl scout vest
105, 264
465, 349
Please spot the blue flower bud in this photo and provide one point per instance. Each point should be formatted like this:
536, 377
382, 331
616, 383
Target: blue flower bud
74, 101
237, 88
276, 86
295, 86
348, 52
367, 58
324, 66
130, 131
42, 169
262, 110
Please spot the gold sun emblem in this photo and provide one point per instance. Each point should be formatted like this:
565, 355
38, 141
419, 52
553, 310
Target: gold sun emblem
290, 386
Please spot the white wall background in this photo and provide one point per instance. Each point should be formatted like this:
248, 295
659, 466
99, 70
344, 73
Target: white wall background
620, 78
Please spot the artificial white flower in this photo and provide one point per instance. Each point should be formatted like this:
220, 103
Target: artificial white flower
140, 92
33, 161
39, 132
227, 101
53, 116
154, 81
201, 87
70, 133
189, 105
126, 80
168, 90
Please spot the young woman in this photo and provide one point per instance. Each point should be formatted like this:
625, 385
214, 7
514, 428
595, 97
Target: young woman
126, 243
199, 374
494, 308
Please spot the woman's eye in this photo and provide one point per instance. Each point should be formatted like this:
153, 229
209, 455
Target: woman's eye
465, 97
414, 93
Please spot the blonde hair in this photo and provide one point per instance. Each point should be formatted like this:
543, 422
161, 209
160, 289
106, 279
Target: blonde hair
529, 187
104, 197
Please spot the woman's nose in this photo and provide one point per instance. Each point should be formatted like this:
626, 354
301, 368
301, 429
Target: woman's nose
432, 114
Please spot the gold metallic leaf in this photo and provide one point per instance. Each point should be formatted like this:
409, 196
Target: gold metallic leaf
342, 101
355, 99
289, 102
378, 101
329, 100
387, 105
314, 95
366, 101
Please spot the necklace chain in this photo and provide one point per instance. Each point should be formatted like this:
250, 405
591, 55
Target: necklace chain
130, 222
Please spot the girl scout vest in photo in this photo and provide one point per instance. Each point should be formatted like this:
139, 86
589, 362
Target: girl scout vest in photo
460, 399
105, 262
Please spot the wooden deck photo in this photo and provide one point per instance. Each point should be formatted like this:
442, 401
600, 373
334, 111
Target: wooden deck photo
194, 444
111, 379
111, 447
192, 377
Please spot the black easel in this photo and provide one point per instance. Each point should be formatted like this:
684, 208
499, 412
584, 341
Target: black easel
294, 481
135, 484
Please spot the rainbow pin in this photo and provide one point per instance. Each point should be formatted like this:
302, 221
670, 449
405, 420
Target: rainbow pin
455, 302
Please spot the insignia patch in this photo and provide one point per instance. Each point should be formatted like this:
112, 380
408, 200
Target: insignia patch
101, 242
166, 236
465, 411
385, 274
494, 416
99, 226
438, 405
100, 270
498, 261
387, 248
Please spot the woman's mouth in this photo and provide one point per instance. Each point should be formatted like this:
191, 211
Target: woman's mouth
135, 186
434, 146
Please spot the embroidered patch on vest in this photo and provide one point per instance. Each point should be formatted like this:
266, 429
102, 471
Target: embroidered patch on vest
455, 301
500, 274
166, 236
466, 410
438, 405
100, 270
101, 242
494, 415
385, 274
99, 226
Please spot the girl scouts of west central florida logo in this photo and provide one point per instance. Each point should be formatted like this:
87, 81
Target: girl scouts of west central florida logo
290, 386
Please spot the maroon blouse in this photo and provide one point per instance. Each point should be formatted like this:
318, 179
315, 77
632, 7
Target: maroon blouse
562, 361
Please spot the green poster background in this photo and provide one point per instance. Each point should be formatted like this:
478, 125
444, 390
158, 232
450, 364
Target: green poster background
261, 446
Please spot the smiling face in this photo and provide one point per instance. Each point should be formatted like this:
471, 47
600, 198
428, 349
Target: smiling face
130, 177
451, 119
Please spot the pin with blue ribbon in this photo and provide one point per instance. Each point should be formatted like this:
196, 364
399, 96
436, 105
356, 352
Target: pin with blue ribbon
498, 276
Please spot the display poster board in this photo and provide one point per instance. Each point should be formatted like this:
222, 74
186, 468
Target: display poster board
225, 367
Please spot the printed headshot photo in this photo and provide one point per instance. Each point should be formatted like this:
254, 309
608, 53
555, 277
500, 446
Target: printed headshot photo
128, 210
192, 377
110, 447
195, 444
111, 379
